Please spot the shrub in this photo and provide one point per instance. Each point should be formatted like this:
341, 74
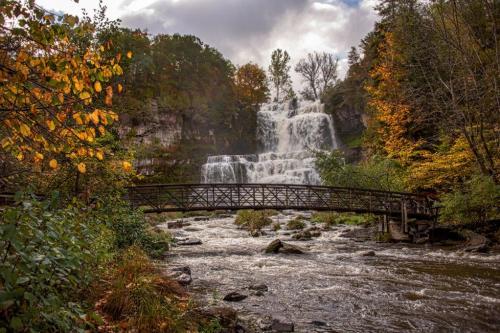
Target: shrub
327, 218
476, 201
296, 224
332, 218
375, 173
48, 259
137, 296
252, 220
131, 228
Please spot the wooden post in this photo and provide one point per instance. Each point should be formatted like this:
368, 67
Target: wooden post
404, 217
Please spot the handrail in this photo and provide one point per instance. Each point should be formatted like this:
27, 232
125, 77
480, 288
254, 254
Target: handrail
191, 196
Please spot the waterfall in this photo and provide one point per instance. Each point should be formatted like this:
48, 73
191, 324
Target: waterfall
288, 137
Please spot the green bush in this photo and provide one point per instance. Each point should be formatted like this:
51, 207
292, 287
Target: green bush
296, 224
252, 220
131, 228
375, 173
332, 218
476, 201
48, 257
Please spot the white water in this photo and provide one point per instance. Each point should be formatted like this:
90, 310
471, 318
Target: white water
288, 138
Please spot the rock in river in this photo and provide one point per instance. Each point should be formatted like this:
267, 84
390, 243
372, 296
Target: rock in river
187, 242
258, 287
367, 253
277, 246
281, 326
234, 297
177, 224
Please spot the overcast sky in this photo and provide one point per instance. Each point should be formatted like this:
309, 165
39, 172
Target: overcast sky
247, 30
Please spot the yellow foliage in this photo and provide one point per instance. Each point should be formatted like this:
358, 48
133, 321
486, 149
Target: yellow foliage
82, 167
97, 86
126, 166
53, 164
442, 170
47, 81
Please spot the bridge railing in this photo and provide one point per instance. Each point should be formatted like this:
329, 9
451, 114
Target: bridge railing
191, 197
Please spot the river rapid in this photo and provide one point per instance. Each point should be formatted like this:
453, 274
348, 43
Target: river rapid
333, 287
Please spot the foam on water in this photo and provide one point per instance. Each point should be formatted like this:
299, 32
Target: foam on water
288, 137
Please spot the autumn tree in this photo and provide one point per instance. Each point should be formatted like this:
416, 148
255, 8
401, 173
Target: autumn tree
251, 85
279, 71
55, 97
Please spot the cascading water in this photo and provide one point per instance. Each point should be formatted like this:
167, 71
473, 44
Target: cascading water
288, 136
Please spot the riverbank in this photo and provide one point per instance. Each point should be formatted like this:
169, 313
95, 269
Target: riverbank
344, 281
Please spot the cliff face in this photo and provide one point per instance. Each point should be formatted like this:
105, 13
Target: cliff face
159, 128
349, 124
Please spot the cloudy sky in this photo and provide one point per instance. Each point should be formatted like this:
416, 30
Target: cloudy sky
247, 30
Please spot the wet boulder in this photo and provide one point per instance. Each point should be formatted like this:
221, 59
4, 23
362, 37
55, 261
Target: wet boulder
369, 253
201, 218
277, 246
259, 287
475, 242
189, 242
303, 235
177, 224
180, 274
282, 326
234, 297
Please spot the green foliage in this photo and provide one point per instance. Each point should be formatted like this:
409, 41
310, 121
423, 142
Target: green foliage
475, 202
131, 228
375, 173
48, 258
332, 218
296, 224
213, 326
253, 220
279, 71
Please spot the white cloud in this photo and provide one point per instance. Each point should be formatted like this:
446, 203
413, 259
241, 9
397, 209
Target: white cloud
248, 30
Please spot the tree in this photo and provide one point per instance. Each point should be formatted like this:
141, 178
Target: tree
54, 96
328, 67
319, 71
309, 68
251, 85
279, 71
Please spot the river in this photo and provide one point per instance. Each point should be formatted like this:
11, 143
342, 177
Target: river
334, 288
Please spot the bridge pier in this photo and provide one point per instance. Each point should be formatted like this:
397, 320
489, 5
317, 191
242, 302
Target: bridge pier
404, 217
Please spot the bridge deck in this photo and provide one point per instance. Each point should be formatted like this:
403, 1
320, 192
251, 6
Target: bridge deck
193, 197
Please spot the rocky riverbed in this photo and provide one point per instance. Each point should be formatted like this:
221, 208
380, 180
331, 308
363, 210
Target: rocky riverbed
342, 282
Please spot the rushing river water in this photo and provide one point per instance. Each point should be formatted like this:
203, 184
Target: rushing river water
333, 288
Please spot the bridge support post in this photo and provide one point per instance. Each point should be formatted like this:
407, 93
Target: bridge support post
404, 217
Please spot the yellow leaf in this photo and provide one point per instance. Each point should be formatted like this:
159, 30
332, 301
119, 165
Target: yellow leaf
51, 125
101, 130
53, 164
20, 156
97, 86
94, 116
78, 119
81, 167
25, 130
127, 166
129, 54
85, 96
38, 157
120, 88
99, 155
